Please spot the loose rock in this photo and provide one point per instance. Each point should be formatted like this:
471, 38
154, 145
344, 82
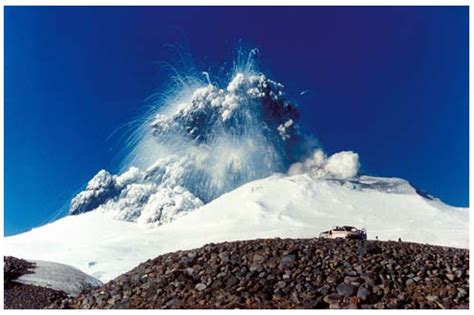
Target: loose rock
291, 273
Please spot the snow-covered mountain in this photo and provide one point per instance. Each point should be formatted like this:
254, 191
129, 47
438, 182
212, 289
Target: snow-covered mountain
297, 206
214, 164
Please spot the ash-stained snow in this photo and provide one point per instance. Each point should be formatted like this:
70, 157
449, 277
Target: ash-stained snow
383, 184
59, 277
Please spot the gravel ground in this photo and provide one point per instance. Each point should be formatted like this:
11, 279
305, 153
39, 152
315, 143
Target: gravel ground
291, 273
22, 296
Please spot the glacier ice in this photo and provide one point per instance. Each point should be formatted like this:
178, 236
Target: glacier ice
59, 277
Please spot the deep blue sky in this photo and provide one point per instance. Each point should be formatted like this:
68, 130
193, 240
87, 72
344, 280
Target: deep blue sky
388, 83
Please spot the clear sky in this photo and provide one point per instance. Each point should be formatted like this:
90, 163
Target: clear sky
388, 83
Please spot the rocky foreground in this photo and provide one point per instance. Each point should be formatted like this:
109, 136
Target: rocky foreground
291, 273
23, 296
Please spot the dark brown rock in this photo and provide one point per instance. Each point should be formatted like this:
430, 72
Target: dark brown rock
291, 273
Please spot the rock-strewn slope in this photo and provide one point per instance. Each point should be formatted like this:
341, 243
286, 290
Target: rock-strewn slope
13, 268
292, 273
23, 296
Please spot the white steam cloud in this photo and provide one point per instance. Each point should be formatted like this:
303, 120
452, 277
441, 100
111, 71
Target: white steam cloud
342, 165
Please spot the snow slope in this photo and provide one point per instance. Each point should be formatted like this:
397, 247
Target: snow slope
296, 206
59, 277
